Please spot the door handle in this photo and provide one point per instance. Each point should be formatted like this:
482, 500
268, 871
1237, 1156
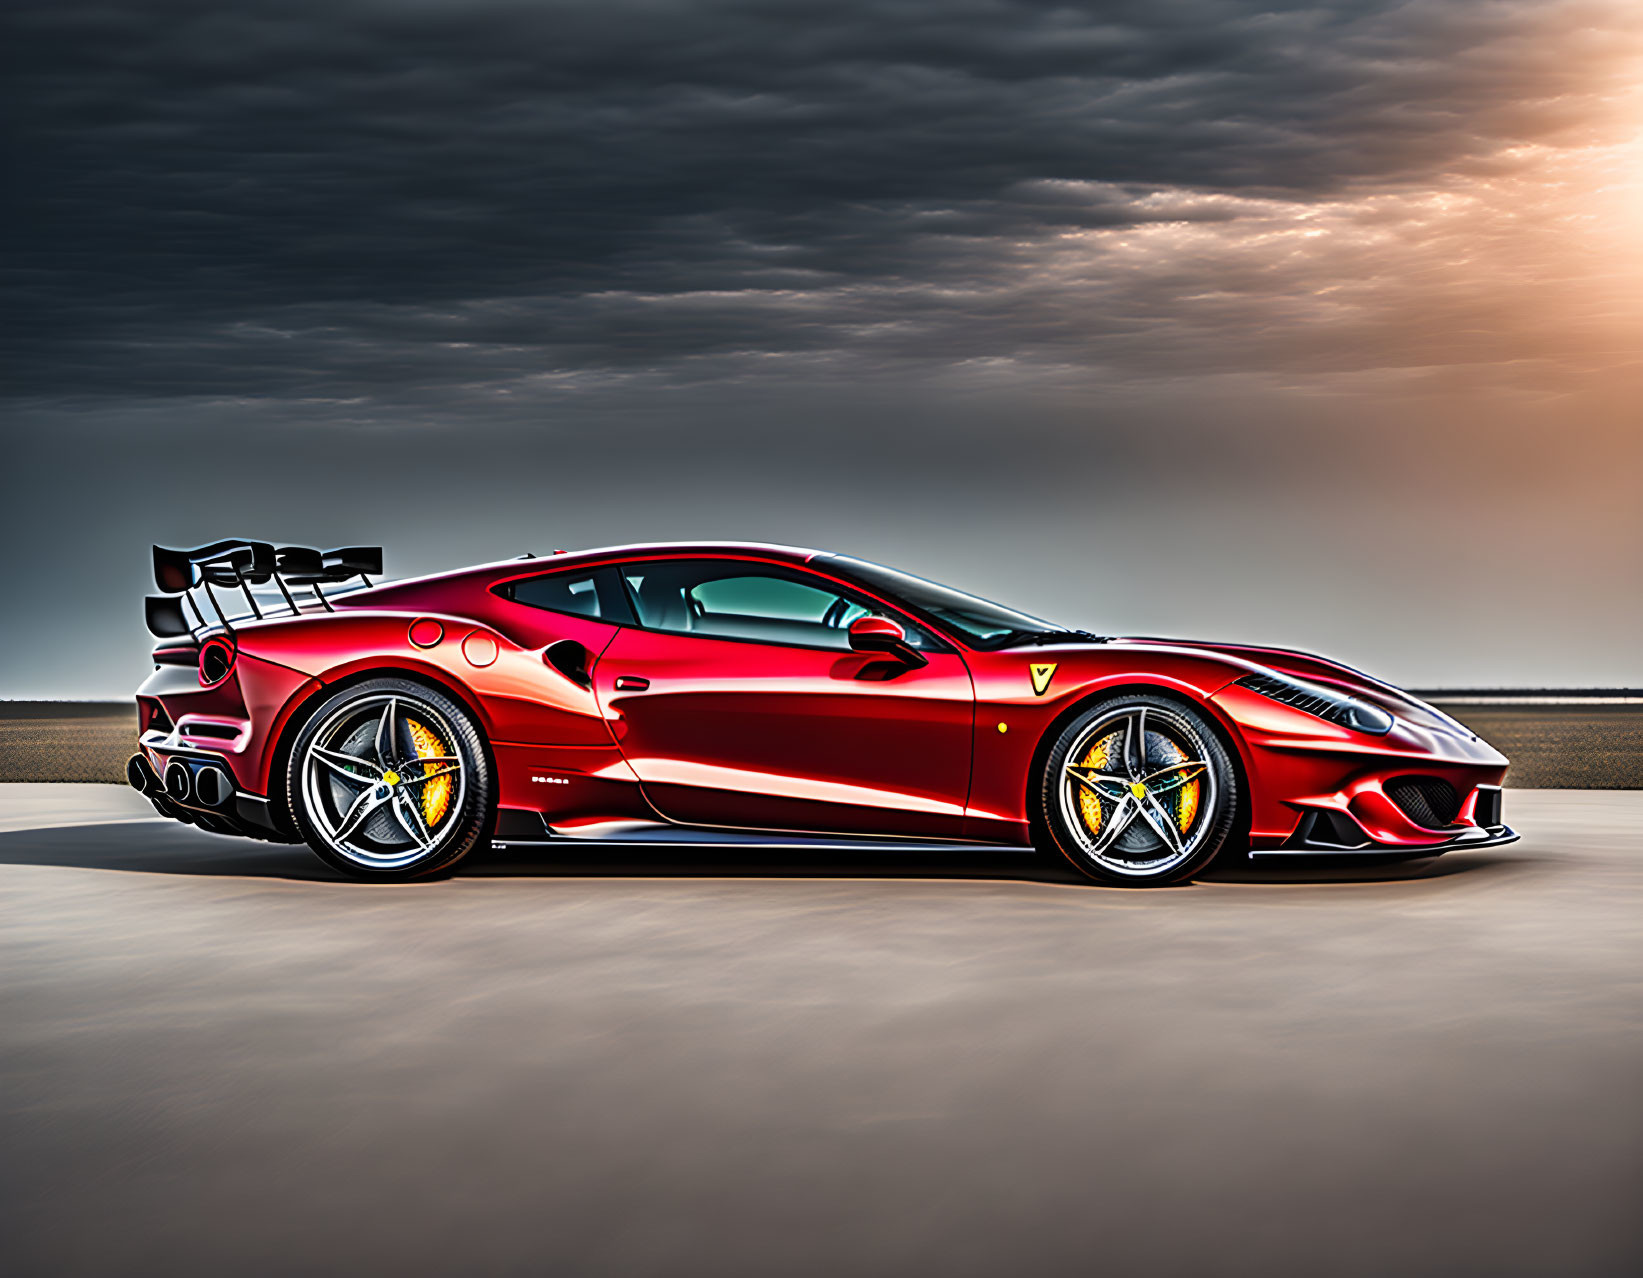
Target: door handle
631, 683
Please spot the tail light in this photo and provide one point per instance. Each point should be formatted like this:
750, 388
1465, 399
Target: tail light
217, 656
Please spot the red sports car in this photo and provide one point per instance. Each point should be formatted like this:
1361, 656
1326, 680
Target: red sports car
649, 691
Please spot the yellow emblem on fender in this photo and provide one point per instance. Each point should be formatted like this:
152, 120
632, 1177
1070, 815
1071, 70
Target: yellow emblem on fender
1042, 673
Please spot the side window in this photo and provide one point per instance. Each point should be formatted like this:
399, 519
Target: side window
597, 594
761, 598
725, 599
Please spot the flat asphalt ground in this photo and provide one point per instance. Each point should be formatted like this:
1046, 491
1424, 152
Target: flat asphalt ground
216, 1058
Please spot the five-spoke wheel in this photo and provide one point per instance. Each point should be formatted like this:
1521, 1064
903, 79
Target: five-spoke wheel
389, 779
1139, 790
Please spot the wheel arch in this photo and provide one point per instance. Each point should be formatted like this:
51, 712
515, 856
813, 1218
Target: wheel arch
1231, 740
279, 796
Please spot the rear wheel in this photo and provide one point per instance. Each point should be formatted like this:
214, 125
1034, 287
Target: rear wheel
1139, 791
389, 780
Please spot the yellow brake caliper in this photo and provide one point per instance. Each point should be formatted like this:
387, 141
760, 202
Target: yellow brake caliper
436, 794
1187, 806
1089, 806
1186, 801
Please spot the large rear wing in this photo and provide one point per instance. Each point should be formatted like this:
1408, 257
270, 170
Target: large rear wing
240, 565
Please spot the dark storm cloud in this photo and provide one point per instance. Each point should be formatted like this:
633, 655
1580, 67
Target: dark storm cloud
1176, 316
334, 199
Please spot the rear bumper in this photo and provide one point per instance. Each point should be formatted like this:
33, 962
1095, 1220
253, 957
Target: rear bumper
197, 787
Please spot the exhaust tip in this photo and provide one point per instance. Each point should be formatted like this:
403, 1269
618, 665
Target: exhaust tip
212, 786
179, 783
140, 776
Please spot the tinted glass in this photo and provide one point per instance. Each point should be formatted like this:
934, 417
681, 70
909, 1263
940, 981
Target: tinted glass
594, 594
982, 623
767, 598
727, 599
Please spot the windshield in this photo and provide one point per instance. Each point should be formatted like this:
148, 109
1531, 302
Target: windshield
980, 623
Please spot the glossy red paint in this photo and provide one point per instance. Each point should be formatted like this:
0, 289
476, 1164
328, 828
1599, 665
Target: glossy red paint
1296, 761
877, 634
761, 735
1004, 761
425, 632
253, 703
789, 738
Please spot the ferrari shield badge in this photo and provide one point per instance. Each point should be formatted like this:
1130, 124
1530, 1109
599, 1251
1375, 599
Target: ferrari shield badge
1042, 673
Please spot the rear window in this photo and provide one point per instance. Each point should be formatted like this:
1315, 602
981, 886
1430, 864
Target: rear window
597, 595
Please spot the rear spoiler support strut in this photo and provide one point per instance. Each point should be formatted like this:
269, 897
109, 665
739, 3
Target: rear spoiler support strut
242, 564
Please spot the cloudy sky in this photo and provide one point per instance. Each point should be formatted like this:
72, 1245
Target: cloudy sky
1315, 323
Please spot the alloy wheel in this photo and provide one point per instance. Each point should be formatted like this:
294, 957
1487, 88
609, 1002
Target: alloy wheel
383, 781
1138, 791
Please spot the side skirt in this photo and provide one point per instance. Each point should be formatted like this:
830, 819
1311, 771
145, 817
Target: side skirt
519, 829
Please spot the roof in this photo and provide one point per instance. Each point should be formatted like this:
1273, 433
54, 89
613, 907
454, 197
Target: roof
645, 550
383, 593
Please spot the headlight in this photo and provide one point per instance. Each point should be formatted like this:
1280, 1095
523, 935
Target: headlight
1326, 703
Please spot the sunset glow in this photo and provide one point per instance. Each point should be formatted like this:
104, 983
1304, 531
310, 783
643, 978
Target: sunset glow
1037, 261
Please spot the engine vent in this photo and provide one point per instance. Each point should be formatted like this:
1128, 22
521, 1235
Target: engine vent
1427, 801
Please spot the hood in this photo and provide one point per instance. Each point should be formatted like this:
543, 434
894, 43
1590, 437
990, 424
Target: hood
1323, 670
1303, 665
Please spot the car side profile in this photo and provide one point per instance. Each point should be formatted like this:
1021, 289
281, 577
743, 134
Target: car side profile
758, 692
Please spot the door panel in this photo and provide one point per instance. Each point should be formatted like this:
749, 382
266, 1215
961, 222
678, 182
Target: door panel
762, 735
555, 754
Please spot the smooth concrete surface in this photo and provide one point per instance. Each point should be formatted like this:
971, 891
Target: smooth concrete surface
54, 804
215, 1058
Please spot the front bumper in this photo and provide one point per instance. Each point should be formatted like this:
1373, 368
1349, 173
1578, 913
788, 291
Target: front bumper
1320, 789
1313, 837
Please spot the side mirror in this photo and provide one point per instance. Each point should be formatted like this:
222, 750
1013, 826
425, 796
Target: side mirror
876, 634
880, 634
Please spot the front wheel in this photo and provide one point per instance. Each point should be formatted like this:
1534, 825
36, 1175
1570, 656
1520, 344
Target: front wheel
1138, 791
389, 780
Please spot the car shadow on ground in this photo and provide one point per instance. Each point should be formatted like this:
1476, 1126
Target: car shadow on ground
154, 847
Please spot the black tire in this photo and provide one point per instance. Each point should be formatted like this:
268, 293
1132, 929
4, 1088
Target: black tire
355, 809
1164, 833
